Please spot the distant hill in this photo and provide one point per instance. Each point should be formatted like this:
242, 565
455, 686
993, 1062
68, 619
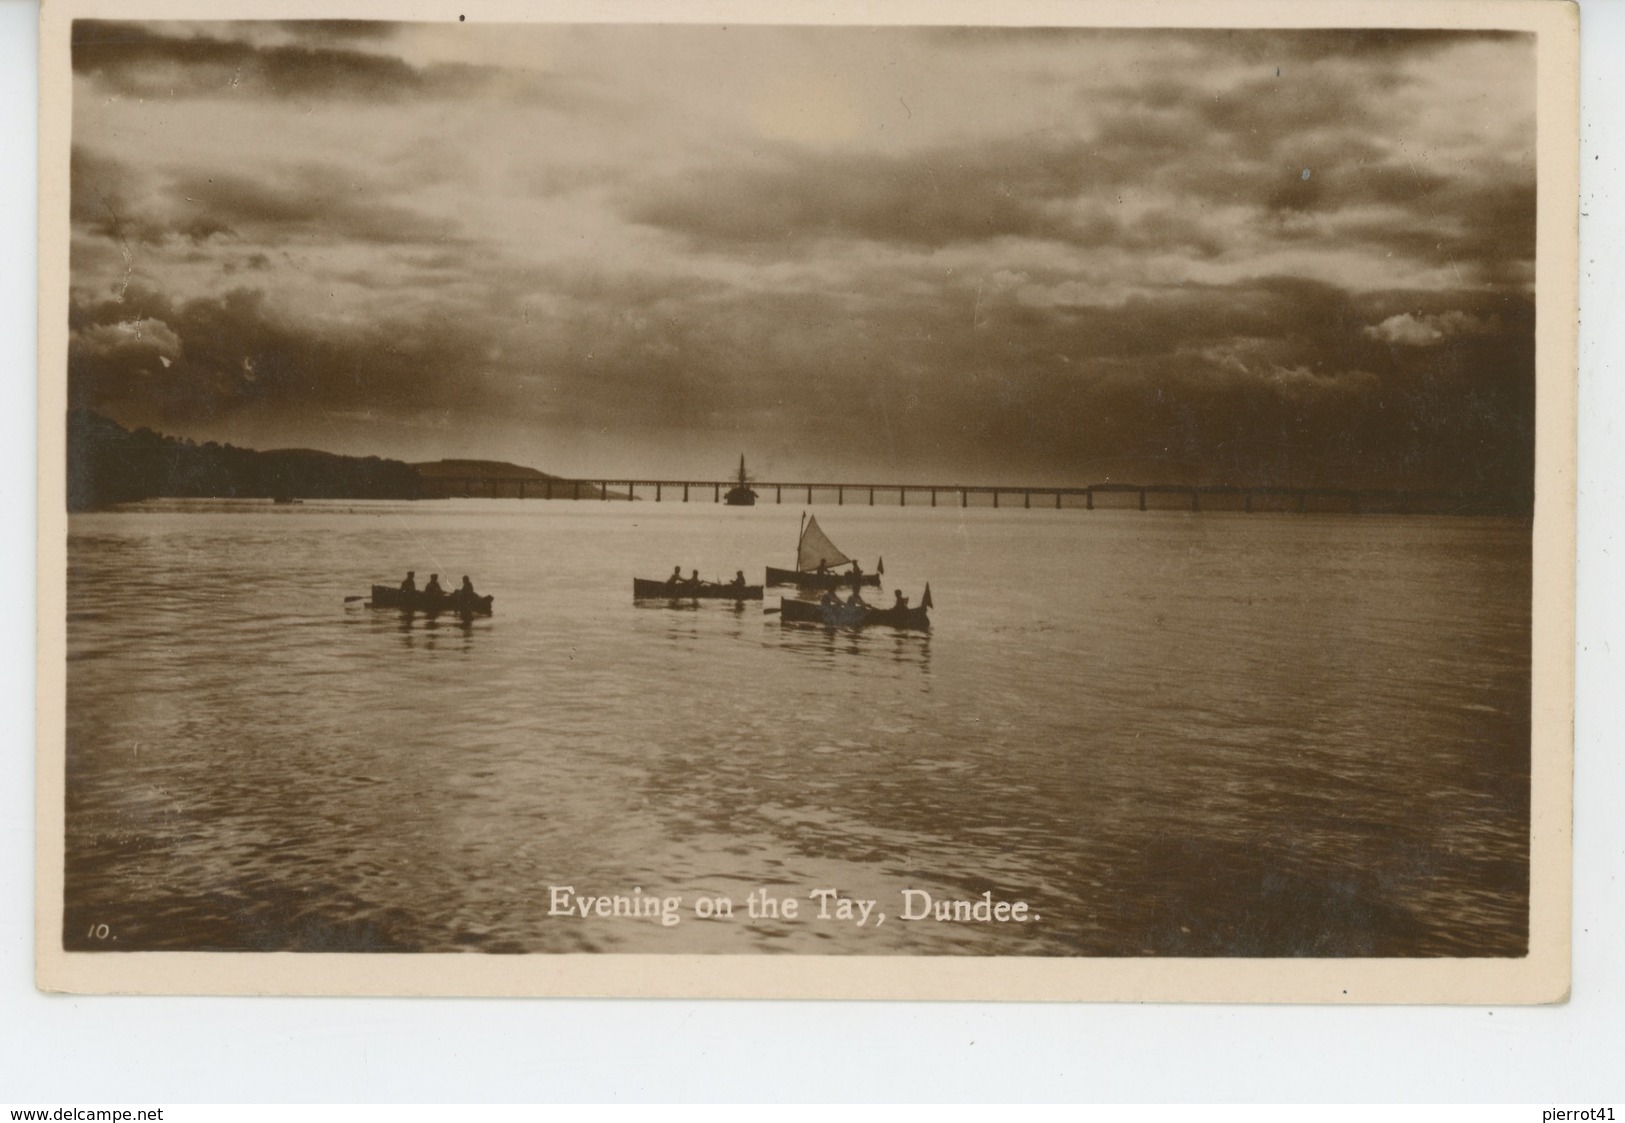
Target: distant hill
108, 463
478, 470
497, 479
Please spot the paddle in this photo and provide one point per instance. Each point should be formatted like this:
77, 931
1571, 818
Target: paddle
347, 600
769, 611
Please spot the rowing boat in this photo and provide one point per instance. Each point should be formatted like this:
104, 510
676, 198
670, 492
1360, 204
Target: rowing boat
817, 580
816, 561
853, 615
683, 590
383, 596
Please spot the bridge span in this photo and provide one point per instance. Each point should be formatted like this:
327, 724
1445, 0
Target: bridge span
1107, 494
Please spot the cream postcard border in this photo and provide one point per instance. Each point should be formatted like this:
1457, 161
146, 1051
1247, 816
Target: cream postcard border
1542, 976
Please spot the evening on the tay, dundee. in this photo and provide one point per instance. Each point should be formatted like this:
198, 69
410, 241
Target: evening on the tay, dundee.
1075, 487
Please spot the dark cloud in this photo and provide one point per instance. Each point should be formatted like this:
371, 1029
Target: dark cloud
1483, 230
145, 359
1254, 149
1259, 114
104, 196
355, 30
1248, 45
930, 199
310, 202
139, 60
142, 60
1070, 193
1381, 44
1277, 381
1041, 190
1308, 153
112, 200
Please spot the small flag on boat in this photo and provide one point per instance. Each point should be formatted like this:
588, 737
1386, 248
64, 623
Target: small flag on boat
925, 601
881, 567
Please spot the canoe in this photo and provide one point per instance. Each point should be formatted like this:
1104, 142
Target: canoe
384, 596
812, 579
659, 590
852, 615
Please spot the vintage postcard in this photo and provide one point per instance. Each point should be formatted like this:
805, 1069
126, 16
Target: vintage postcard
978, 501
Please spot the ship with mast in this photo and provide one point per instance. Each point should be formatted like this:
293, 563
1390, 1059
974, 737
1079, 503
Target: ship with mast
741, 495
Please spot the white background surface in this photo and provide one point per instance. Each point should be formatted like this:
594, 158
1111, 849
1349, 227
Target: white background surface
64, 1050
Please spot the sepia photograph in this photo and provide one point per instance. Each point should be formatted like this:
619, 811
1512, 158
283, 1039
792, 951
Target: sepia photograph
889, 508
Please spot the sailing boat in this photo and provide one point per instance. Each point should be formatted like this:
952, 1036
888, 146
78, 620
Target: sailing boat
817, 559
740, 495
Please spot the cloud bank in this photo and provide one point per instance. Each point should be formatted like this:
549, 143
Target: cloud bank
988, 255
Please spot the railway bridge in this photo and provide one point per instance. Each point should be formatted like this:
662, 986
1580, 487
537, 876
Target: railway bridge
1107, 494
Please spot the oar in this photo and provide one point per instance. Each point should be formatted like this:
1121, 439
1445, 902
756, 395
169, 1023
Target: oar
347, 600
769, 611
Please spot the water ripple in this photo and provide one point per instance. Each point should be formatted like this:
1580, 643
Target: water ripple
1171, 735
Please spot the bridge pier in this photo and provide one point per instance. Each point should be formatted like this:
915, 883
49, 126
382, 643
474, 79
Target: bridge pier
685, 493
778, 494
933, 497
995, 499
871, 497
1027, 500
657, 493
964, 497
809, 495
840, 497
1057, 501
716, 495
902, 497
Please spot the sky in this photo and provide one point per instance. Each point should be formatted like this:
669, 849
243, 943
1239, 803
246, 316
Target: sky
950, 255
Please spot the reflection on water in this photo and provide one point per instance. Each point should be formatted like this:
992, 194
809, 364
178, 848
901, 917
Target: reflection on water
1169, 734
452, 630
825, 643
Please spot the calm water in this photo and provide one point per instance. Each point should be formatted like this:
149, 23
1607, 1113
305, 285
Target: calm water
1169, 734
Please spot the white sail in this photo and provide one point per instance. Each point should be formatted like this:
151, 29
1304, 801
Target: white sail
816, 549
